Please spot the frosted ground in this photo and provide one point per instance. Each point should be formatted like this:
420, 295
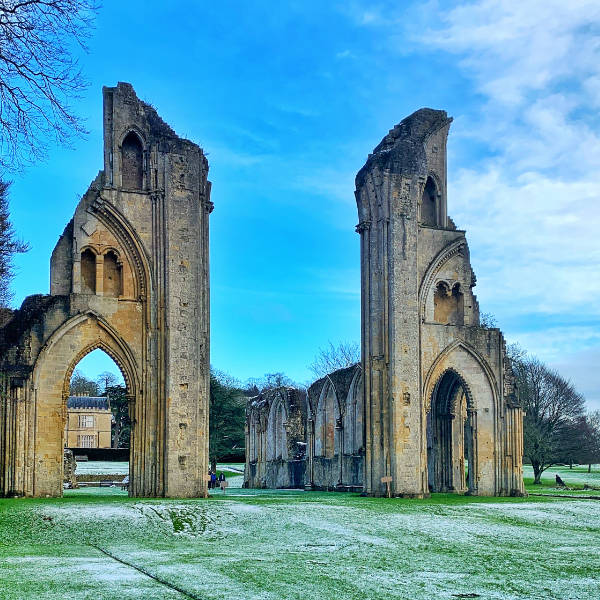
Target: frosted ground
98, 543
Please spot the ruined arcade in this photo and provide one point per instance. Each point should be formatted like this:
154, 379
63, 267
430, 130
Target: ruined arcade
129, 275
432, 407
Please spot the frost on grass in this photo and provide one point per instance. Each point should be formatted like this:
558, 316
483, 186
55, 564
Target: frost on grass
279, 545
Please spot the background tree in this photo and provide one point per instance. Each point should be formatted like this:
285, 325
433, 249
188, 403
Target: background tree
227, 418
39, 76
119, 406
82, 386
579, 441
9, 246
487, 320
551, 406
269, 381
106, 380
334, 357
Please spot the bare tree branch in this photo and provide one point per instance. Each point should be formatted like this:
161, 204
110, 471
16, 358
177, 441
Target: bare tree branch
332, 358
39, 76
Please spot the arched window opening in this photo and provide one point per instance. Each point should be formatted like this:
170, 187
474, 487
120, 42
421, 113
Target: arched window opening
429, 204
325, 432
448, 304
281, 438
450, 438
88, 272
353, 419
253, 438
112, 275
132, 164
277, 436
98, 418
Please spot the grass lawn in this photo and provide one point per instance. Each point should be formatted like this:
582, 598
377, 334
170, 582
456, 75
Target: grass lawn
262, 544
575, 478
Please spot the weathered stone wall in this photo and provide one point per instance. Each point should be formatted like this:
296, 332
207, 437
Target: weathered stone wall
312, 440
129, 275
420, 320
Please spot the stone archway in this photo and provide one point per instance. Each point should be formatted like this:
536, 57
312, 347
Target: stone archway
451, 434
129, 275
52, 373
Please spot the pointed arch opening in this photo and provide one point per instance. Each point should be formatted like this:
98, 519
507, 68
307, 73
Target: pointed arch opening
451, 433
277, 434
326, 432
97, 428
429, 203
132, 162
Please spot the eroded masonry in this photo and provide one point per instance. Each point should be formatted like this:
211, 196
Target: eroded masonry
431, 408
129, 275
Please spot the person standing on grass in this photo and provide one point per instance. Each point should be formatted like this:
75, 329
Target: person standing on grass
213, 480
222, 481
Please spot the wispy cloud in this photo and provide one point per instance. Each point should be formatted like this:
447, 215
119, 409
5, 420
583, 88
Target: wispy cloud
532, 209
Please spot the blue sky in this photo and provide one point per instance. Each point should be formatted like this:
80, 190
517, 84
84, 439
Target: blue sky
287, 99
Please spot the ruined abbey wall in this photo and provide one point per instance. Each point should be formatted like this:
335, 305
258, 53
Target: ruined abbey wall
311, 439
129, 275
435, 389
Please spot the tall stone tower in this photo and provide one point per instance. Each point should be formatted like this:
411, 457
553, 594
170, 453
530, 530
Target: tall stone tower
437, 385
129, 275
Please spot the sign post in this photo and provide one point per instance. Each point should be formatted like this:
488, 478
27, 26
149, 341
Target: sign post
387, 480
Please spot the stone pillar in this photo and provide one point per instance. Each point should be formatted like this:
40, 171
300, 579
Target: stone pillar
474, 467
99, 275
309, 482
339, 425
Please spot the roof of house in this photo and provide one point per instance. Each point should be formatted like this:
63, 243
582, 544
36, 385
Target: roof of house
95, 402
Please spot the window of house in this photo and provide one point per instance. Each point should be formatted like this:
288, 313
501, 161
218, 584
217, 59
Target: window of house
87, 441
86, 421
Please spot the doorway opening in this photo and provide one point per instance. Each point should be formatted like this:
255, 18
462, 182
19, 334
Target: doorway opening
451, 437
97, 427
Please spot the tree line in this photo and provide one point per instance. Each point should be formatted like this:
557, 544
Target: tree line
556, 427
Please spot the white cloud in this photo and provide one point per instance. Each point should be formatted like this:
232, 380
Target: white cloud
531, 211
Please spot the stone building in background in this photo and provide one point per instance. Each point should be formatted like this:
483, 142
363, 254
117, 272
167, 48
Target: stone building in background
129, 275
88, 422
432, 407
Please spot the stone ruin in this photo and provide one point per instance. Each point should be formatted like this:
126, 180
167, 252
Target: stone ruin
129, 275
432, 407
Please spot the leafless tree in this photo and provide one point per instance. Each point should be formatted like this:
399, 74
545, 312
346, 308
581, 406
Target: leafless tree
39, 74
551, 403
333, 357
9, 246
105, 380
82, 386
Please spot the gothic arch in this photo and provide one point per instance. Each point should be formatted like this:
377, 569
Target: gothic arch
465, 386
133, 156
444, 354
276, 432
131, 245
435, 267
52, 371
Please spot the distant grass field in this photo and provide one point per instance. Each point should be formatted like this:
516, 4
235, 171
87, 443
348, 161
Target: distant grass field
270, 545
575, 478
